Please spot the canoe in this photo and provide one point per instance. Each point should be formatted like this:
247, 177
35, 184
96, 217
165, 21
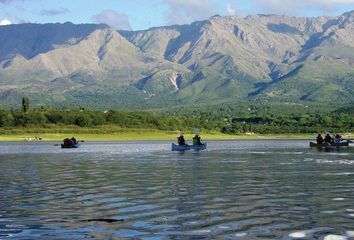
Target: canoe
342, 144
176, 147
70, 146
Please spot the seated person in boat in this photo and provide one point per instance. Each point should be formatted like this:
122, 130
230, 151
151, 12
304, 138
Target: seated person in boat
74, 141
319, 139
181, 140
68, 142
197, 141
328, 138
337, 139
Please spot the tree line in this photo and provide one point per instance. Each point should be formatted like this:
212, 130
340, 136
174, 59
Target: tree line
235, 125
237, 122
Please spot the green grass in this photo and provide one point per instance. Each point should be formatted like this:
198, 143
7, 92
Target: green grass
116, 133
19, 135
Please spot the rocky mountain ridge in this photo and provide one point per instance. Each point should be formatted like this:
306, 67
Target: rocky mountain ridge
275, 58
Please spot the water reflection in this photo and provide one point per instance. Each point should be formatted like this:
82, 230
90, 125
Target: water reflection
235, 190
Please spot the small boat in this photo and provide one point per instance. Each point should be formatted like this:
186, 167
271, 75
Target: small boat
70, 146
320, 145
176, 147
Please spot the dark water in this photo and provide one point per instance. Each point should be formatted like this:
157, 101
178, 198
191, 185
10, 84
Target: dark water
235, 190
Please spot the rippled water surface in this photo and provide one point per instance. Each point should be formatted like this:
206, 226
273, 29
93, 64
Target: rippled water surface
234, 190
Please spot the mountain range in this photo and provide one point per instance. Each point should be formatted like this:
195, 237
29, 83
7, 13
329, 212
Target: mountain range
222, 59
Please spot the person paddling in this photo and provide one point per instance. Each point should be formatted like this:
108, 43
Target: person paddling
337, 139
328, 138
74, 141
197, 141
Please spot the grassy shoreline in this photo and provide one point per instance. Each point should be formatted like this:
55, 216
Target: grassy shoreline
114, 133
146, 136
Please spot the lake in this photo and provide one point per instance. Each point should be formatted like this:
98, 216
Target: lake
142, 190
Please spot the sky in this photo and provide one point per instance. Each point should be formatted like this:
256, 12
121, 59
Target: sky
144, 14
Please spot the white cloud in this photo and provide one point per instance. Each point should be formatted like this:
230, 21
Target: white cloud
54, 12
119, 21
5, 22
186, 11
230, 9
340, 1
292, 7
10, 1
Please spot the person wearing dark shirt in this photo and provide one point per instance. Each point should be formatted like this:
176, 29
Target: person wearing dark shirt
319, 139
73, 140
328, 138
181, 140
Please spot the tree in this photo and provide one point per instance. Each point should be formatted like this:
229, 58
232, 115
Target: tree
6, 119
83, 120
25, 104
